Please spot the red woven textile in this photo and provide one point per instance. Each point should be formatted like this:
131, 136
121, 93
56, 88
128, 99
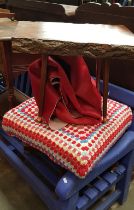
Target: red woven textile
69, 96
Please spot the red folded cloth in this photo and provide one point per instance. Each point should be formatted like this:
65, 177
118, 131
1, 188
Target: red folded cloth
70, 92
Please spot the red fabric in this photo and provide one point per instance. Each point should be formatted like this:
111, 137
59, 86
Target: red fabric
74, 94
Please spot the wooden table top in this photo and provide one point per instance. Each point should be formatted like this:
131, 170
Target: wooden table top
7, 28
95, 40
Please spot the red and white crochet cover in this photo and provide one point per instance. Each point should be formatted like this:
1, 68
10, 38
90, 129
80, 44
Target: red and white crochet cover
76, 148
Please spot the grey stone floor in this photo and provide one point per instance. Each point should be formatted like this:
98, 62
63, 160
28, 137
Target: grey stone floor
15, 193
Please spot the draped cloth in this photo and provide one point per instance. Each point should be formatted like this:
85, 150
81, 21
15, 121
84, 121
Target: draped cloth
70, 92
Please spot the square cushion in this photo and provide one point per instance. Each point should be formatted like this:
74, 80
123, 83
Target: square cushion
74, 147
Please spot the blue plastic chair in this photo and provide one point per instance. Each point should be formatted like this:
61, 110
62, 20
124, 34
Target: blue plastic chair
60, 189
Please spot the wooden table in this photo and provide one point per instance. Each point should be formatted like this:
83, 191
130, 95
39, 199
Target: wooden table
102, 42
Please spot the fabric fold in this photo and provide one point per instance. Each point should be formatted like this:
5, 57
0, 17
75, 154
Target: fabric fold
70, 92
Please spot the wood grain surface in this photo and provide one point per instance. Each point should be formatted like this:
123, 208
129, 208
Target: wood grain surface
95, 40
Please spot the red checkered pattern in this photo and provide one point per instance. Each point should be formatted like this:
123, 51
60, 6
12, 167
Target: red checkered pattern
76, 148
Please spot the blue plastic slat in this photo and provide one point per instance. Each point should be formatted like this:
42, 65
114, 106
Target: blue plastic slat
101, 185
105, 205
82, 202
11, 147
16, 82
120, 169
1, 88
91, 193
28, 88
23, 82
1, 83
110, 177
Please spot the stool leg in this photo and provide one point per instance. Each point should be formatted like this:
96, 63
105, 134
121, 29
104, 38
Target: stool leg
124, 183
42, 86
105, 87
98, 71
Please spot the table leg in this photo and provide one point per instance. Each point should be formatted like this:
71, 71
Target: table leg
7, 63
42, 86
98, 71
105, 87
